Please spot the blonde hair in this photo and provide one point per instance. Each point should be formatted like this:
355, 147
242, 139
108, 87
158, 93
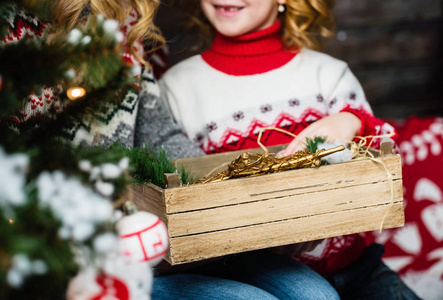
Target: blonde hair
67, 13
305, 23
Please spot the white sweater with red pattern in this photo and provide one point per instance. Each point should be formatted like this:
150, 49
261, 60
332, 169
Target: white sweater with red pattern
224, 96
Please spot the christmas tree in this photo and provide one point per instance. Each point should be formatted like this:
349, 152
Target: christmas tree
56, 197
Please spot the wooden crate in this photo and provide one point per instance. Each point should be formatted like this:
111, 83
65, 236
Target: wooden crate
244, 214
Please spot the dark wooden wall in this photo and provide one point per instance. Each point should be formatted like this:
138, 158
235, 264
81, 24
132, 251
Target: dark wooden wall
394, 47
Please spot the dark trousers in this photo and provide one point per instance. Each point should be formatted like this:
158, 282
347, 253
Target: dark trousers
370, 279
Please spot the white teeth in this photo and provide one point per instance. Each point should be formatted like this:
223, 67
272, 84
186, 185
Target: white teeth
231, 8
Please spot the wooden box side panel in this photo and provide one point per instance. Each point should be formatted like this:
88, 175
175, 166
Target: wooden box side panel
213, 244
284, 208
236, 191
150, 198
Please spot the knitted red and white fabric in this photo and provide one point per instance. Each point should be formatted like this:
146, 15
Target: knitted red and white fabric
415, 250
224, 97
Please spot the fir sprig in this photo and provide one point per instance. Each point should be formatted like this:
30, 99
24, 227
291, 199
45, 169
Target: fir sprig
27, 66
40, 8
149, 165
38, 240
312, 145
93, 56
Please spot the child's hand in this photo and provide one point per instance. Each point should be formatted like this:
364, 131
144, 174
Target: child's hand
296, 250
341, 127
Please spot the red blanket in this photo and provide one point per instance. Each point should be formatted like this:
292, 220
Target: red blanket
416, 250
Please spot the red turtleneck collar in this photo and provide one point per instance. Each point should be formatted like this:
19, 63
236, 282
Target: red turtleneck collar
253, 53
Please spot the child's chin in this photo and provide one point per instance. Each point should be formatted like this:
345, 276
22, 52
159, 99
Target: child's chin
231, 31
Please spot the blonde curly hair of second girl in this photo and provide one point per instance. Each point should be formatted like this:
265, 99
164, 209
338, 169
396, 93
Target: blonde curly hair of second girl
306, 23
66, 14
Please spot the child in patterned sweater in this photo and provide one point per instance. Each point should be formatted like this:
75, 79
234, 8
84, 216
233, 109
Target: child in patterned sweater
139, 115
263, 70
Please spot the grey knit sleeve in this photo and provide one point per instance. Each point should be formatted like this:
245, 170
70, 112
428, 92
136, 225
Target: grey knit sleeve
155, 126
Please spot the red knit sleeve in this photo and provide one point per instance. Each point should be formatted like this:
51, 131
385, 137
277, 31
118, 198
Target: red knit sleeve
372, 126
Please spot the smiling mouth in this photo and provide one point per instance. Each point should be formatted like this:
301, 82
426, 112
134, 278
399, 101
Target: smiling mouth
227, 8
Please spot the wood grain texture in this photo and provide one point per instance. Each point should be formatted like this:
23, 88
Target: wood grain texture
150, 198
400, 90
282, 184
282, 208
384, 45
202, 246
376, 12
215, 219
385, 148
172, 180
394, 49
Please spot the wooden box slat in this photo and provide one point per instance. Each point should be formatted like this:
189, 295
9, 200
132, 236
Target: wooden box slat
202, 246
299, 181
277, 209
237, 215
150, 198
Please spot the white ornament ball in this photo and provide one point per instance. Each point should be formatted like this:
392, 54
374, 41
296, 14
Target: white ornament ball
143, 237
83, 286
90, 285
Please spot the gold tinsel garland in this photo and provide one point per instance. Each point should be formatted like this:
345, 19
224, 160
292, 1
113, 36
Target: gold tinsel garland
253, 164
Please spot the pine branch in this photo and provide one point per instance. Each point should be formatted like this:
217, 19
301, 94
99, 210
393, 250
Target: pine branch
92, 53
312, 145
149, 165
27, 66
37, 240
39, 8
